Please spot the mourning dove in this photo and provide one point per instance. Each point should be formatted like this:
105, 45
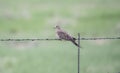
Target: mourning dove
65, 36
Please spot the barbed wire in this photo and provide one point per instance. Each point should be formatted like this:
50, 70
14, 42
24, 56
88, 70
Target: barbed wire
47, 39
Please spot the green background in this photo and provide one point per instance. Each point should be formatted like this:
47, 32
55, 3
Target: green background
36, 19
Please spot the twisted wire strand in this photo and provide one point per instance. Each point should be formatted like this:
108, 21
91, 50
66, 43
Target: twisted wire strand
50, 39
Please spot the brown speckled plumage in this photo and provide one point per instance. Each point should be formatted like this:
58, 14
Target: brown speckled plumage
64, 35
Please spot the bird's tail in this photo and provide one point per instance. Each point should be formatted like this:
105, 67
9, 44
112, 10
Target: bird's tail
73, 41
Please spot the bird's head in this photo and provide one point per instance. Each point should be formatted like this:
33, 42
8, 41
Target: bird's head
57, 27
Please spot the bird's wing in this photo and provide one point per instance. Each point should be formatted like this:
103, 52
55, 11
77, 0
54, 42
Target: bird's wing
64, 35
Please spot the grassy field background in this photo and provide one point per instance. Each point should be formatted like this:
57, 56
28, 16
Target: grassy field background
36, 19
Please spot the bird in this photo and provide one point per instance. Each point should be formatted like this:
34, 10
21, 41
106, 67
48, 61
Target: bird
62, 35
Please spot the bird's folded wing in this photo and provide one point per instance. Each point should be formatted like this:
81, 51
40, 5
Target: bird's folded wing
64, 35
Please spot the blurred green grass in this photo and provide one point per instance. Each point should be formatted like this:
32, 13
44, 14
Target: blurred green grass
36, 19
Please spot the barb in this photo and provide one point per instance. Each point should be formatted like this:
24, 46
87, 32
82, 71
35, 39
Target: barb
82, 38
26, 39
101, 38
